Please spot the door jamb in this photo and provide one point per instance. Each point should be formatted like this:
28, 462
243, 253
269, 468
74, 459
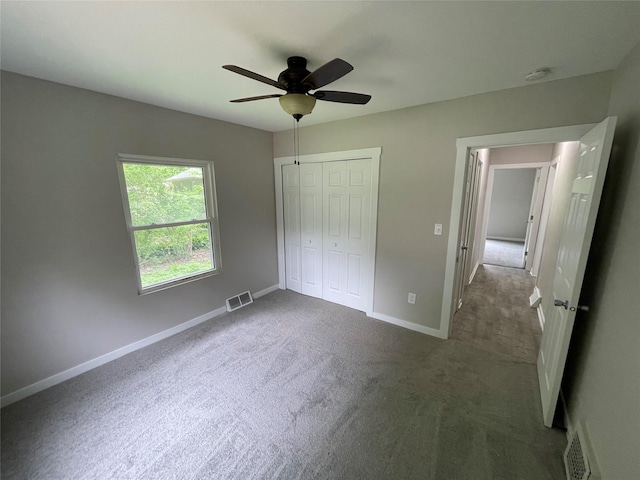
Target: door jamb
373, 154
463, 146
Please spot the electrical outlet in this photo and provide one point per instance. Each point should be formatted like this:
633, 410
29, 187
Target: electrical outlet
412, 298
438, 229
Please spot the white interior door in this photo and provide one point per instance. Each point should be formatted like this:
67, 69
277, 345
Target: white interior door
311, 228
473, 216
532, 221
544, 218
463, 249
291, 208
591, 165
346, 217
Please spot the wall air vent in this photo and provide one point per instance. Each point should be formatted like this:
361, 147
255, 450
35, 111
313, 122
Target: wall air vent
576, 461
239, 301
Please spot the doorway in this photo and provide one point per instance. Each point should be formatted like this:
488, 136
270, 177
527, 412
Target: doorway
503, 200
583, 177
510, 214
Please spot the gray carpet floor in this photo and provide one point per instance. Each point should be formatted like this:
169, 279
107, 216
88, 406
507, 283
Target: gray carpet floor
496, 315
503, 253
289, 387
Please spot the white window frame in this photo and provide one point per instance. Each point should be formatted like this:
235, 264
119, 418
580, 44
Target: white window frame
211, 204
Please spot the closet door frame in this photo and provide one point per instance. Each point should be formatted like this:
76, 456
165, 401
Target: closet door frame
372, 154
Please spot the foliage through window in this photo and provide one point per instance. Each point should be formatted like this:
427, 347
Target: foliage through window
172, 219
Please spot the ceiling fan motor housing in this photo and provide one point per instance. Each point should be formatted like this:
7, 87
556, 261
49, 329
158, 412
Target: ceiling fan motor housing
291, 78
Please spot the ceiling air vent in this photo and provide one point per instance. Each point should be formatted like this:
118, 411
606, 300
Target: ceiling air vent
239, 301
576, 461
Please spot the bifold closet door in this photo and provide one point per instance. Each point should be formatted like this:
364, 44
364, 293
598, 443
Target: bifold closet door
311, 228
291, 206
346, 217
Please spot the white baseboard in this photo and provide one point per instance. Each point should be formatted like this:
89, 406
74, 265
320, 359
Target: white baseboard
506, 239
541, 318
409, 325
266, 291
120, 352
473, 273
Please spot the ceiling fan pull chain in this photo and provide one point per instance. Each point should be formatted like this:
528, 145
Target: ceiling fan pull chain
295, 142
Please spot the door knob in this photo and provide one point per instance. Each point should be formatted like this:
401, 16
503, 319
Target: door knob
560, 303
565, 304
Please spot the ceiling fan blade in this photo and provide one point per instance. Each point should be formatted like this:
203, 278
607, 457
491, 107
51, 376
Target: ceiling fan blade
253, 75
251, 99
342, 97
327, 73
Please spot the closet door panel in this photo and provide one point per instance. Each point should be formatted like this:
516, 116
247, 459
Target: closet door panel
291, 205
358, 211
311, 228
334, 227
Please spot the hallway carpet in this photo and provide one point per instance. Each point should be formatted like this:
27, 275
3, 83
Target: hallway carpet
503, 253
496, 315
289, 387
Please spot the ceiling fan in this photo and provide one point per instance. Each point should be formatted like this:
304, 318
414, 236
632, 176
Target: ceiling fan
297, 81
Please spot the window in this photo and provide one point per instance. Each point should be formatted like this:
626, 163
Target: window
172, 218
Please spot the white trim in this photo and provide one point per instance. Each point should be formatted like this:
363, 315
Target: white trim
506, 239
511, 166
464, 145
96, 362
280, 222
534, 208
434, 332
373, 154
266, 291
489, 195
473, 273
120, 352
541, 318
211, 207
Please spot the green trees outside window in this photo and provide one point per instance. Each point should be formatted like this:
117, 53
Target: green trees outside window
170, 220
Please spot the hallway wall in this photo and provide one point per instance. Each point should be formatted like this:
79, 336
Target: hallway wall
510, 203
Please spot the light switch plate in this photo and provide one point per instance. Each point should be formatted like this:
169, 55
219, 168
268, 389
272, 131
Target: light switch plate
438, 229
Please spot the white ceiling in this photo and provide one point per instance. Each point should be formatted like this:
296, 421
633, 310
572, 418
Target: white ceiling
404, 53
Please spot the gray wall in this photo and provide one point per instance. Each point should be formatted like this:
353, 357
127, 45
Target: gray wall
417, 169
603, 381
521, 154
510, 203
68, 285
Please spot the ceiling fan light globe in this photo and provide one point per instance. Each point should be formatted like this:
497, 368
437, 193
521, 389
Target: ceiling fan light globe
297, 104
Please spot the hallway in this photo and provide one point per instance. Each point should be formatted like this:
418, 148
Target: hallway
496, 315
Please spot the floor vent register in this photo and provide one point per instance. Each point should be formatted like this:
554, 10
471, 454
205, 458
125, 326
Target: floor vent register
239, 301
576, 461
